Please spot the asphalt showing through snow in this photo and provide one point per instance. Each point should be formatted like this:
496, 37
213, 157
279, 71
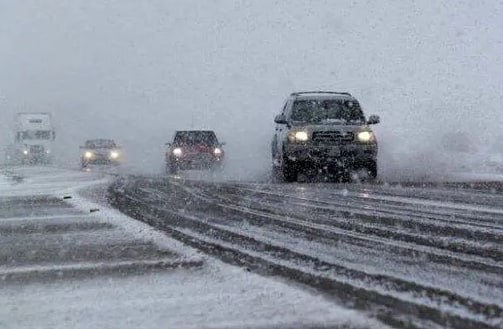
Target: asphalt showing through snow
67, 260
44, 235
411, 256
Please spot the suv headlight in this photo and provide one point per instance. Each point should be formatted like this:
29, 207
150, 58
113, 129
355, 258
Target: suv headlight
298, 136
114, 155
177, 152
365, 136
88, 154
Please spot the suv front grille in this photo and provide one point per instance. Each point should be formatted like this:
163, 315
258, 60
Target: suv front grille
332, 137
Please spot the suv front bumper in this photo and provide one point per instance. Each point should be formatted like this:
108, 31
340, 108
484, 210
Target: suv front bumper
100, 160
347, 156
197, 161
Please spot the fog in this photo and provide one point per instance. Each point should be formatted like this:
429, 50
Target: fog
138, 70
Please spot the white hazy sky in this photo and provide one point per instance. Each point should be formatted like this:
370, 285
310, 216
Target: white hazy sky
138, 70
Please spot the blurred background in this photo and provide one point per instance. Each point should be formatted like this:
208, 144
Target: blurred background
138, 70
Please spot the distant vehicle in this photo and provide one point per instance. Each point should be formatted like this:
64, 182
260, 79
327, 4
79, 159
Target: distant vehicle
34, 139
323, 131
194, 149
495, 159
100, 152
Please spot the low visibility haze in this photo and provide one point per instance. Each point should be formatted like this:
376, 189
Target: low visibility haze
138, 70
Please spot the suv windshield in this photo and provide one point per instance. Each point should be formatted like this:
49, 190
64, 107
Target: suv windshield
195, 137
100, 143
327, 111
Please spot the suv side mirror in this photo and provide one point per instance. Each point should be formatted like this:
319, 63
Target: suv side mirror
167, 144
280, 119
373, 119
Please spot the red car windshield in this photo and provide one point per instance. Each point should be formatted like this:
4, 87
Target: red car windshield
195, 138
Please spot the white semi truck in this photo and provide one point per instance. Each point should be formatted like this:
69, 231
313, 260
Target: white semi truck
34, 139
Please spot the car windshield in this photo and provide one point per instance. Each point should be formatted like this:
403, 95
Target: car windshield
327, 111
195, 137
100, 143
36, 135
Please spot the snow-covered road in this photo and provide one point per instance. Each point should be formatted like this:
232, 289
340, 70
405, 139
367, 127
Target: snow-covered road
415, 254
67, 260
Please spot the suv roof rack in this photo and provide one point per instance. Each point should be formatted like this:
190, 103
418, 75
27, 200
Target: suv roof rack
320, 92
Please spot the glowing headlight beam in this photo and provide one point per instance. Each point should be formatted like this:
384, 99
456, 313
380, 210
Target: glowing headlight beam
88, 154
114, 155
25, 152
217, 151
301, 136
365, 136
177, 152
298, 136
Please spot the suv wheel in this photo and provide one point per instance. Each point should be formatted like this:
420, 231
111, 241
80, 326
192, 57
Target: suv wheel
276, 174
289, 171
372, 169
172, 168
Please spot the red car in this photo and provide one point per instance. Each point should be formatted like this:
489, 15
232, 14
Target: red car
194, 149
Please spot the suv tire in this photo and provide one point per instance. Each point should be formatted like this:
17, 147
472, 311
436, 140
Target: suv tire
172, 168
372, 170
289, 171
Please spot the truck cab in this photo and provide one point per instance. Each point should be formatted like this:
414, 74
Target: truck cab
34, 138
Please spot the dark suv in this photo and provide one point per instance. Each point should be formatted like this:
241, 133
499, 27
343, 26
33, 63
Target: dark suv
194, 149
323, 131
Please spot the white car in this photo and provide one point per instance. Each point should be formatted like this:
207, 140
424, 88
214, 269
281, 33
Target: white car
100, 152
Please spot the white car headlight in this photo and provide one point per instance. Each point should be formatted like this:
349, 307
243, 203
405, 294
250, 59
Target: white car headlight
25, 152
217, 151
88, 154
298, 136
365, 136
177, 152
114, 155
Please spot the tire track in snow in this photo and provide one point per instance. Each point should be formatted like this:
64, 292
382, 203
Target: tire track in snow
165, 208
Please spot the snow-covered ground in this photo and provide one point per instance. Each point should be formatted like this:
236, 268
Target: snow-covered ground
4, 182
216, 297
208, 295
